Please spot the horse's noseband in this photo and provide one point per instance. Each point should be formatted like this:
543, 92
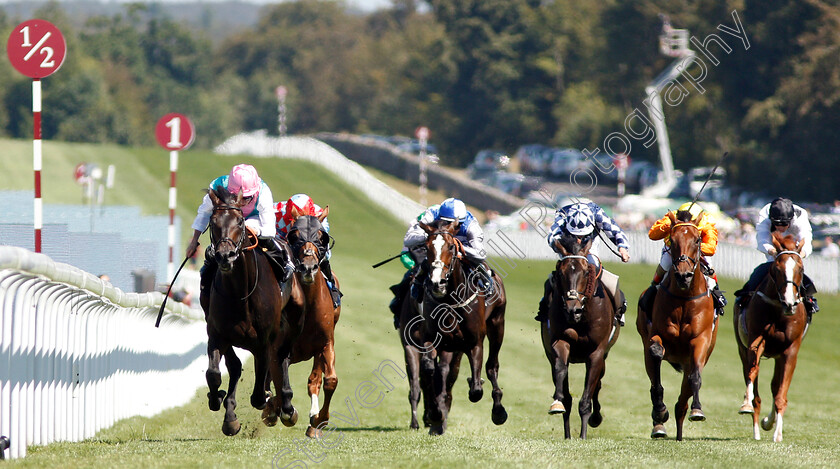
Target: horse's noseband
237, 247
572, 295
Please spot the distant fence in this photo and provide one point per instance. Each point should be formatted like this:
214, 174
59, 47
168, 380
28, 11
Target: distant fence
77, 354
385, 157
730, 260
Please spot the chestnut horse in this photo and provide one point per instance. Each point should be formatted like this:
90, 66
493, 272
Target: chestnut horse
457, 315
581, 328
245, 307
309, 244
773, 325
682, 328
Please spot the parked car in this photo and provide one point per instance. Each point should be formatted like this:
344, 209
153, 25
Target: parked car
563, 162
641, 174
515, 184
413, 147
533, 158
486, 163
603, 166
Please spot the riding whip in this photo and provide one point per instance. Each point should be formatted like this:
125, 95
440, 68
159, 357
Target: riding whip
386, 260
163, 304
709, 178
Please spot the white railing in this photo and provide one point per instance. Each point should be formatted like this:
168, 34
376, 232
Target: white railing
309, 149
77, 354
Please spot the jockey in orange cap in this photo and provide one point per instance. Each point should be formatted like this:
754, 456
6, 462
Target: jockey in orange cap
259, 216
298, 205
708, 245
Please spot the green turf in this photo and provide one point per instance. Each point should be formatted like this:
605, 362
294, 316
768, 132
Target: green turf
190, 436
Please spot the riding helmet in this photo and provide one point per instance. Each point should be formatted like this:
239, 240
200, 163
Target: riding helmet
781, 210
580, 221
244, 177
452, 209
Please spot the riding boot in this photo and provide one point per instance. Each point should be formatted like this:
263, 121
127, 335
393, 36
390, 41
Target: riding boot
717, 296
610, 281
280, 256
399, 291
542, 309
327, 271
648, 297
207, 272
417, 284
485, 280
743, 295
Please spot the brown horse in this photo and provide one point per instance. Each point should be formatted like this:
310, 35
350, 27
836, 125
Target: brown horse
682, 328
581, 328
309, 243
457, 315
245, 307
773, 325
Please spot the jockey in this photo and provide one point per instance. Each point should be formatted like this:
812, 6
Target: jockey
583, 222
258, 212
783, 216
302, 204
708, 245
469, 233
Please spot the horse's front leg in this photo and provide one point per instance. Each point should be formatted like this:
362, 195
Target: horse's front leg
751, 368
560, 376
782, 376
313, 389
330, 383
231, 424
594, 372
412, 369
427, 385
495, 336
440, 380
214, 374
475, 381
654, 354
260, 394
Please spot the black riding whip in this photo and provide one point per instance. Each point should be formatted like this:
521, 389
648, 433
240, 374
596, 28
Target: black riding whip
386, 260
709, 178
163, 304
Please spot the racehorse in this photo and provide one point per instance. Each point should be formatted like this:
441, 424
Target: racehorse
773, 325
457, 314
309, 244
682, 328
581, 328
245, 307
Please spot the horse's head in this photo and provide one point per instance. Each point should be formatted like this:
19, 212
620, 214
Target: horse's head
787, 270
309, 242
441, 251
227, 227
571, 276
685, 247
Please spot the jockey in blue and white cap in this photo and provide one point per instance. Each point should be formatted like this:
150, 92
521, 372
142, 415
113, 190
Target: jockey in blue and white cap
469, 233
583, 221
258, 210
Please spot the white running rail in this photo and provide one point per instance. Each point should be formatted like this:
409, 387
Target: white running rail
77, 354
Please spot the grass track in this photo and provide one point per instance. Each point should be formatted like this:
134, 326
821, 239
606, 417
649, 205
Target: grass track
190, 436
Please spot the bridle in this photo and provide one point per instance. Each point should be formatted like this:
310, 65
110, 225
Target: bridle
781, 287
682, 257
237, 246
574, 294
300, 250
438, 264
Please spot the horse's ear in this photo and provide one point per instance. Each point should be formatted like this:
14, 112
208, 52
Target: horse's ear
238, 201
428, 229
587, 246
777, 241
214, 197
800, 245
696, 219
560, 248
673, 217
324, 214
452, 227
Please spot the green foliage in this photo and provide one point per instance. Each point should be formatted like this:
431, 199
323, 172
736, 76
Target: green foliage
488, 73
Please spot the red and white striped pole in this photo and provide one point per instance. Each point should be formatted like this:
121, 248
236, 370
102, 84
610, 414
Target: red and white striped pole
173, 169
37, 160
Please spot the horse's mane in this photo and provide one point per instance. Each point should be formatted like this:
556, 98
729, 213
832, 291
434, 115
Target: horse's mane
684, 216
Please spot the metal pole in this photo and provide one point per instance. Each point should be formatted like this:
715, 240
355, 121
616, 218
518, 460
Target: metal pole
281, 110
37, 160
423, 179
173, 169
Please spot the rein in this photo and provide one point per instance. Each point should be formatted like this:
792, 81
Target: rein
796, 286
591, 279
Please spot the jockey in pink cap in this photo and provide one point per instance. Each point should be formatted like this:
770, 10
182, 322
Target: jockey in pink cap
258, 212
302, 204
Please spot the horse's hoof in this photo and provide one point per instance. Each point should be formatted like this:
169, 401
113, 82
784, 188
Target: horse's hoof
766, 424
269, 416
660, 417
746, 409
658, 431
499, 415
231, 428
257, 403
556, 408
289, 420
476, 394
313, 432
427, 421
595, 420
215, 403
696, 415
414, 425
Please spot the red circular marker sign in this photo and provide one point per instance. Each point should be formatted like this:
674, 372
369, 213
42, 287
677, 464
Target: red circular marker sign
175, 132
36, 48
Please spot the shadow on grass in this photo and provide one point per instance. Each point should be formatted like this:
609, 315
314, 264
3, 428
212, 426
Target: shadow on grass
370, 429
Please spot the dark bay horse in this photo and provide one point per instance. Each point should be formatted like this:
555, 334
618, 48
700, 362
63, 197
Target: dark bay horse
245, 307
457, 315
411, 336
309, 244
773, 325
682, 328
581, 328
